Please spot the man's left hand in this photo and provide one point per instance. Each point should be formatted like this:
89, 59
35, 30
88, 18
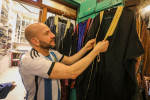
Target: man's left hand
90, 44
13, 85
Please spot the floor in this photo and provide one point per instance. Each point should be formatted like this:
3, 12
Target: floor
12, 74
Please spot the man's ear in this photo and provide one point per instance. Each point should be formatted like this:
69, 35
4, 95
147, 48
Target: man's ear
35, 41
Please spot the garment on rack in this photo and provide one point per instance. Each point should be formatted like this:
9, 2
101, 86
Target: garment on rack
145, 42
66, 43
113, 78
63, 30
82, 27
74, 49
78, 37
50, 23
143, 69
60, 34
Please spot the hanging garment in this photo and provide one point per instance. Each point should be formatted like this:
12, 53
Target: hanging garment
60, 35
50, 23
74, 41
113, 78
59, 32
72, 95
66, 43
142, 91
145, 39
65, 46
78, 41
82, 27
63, 30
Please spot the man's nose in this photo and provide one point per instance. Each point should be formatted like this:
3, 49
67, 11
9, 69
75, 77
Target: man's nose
52, 35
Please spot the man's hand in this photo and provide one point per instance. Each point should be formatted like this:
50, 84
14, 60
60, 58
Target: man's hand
13, 85
101, 46
90, 44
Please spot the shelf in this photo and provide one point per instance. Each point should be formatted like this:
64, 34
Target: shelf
4, 8
2, 15
4, 19
16, 52
15, 59
21, 36
20, 43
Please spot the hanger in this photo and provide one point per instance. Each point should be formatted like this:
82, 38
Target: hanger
61, 19
62, 16
69, 19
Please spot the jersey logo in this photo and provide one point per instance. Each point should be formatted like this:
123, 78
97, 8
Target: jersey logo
34, 53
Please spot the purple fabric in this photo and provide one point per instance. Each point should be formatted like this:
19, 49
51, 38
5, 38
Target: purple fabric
4, 90
82, 27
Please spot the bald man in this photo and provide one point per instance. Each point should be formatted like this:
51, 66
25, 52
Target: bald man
42, 67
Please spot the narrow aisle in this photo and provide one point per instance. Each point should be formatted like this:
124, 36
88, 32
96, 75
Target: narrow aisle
12, 74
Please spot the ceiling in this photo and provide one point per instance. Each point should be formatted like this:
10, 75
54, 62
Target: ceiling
25, 9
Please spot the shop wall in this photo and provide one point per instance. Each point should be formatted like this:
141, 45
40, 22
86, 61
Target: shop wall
0, 7
21, 47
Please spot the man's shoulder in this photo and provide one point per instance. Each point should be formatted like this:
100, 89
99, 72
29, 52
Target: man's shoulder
52, 50
30, 56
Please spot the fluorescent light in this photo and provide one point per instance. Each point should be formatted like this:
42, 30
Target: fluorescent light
147, 8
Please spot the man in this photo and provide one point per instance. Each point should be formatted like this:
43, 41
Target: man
41, 68
5, 88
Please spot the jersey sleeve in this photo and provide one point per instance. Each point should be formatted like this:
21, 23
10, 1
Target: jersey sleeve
58, 55
38, 66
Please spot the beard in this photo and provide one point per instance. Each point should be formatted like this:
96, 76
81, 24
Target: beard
45, 45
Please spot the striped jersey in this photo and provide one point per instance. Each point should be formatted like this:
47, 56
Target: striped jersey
35, 70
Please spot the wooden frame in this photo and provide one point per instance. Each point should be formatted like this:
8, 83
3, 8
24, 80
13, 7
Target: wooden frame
39, 4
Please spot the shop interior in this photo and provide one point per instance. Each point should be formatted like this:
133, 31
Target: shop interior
79, 21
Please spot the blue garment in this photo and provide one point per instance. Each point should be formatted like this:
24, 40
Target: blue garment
82, 27
5, 89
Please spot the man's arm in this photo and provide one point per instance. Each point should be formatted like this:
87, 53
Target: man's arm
62, 71
70, 60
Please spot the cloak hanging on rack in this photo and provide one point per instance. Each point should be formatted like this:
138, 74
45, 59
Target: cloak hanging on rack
113, 78
51, 24
63, 32
78, 37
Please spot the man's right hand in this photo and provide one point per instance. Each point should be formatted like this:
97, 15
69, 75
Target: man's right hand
101, 46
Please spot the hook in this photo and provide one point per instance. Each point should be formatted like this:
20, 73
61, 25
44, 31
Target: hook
63, 15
